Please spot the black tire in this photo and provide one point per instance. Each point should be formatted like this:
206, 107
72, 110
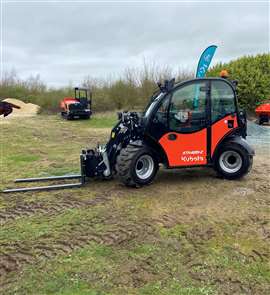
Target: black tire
64, 115
233, 161
70, 117
128, 162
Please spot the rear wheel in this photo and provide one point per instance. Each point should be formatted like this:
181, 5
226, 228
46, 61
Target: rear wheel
233, 162
136, 165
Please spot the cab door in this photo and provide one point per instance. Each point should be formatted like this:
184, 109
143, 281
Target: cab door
223, 111
182, 130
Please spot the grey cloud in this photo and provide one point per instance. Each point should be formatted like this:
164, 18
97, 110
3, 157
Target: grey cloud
68, 41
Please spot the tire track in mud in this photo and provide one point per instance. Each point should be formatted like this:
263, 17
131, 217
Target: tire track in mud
167, 220
119, 231
16, 255
199, 271
226, 283
30, 209
263, 225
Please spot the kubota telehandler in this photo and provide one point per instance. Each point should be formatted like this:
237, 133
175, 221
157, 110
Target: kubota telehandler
188, 124
77, 107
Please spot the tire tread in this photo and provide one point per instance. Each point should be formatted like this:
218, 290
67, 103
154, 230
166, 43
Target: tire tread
246, 158
124, 163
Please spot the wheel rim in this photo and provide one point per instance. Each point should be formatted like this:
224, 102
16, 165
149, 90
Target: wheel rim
144, 167
230, 161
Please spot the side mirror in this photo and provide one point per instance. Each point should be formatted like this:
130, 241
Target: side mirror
243, 122
168, 85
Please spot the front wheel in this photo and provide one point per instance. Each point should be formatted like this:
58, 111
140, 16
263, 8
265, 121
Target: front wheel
136, 165
233, 162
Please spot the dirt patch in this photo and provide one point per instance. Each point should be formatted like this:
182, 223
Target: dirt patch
30, 209
137, 272
226, 284
15, 255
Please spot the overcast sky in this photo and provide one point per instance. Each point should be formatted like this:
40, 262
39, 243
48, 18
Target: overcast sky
67, 41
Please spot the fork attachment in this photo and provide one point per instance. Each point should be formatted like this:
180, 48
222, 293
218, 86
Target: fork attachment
81, 177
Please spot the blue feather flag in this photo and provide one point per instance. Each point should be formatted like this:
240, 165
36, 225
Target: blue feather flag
205, 61
202, 68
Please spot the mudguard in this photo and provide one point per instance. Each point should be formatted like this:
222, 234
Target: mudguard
236, 140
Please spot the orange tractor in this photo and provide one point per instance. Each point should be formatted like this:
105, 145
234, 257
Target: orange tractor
77, 107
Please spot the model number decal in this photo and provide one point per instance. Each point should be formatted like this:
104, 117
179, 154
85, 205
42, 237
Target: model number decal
192, 156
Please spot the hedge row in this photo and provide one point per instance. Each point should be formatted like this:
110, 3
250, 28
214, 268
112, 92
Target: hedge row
253, 75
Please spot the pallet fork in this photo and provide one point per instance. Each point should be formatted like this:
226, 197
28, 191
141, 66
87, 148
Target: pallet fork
81, 177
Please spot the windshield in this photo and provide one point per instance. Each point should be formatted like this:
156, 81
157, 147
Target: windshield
150, 107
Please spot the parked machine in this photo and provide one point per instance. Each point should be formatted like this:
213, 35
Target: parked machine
77, 107
263, 113
188, 124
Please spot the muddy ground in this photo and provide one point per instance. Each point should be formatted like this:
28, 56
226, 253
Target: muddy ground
187, 233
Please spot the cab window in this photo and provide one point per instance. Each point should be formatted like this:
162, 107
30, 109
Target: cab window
222, 100
187, 111
161, 114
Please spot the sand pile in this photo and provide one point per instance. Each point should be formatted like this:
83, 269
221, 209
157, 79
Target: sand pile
26, 110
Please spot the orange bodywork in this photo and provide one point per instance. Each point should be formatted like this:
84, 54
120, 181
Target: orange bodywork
220, 129
187, 149
263, 109
67, 101
191, 148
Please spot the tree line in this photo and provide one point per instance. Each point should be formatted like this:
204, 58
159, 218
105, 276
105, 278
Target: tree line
132, 89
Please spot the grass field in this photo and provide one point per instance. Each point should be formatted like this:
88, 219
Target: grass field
188, 233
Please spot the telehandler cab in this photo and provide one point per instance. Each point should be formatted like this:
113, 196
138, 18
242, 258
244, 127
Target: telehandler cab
188, 124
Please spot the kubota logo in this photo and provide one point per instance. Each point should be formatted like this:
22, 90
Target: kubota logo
192, 156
